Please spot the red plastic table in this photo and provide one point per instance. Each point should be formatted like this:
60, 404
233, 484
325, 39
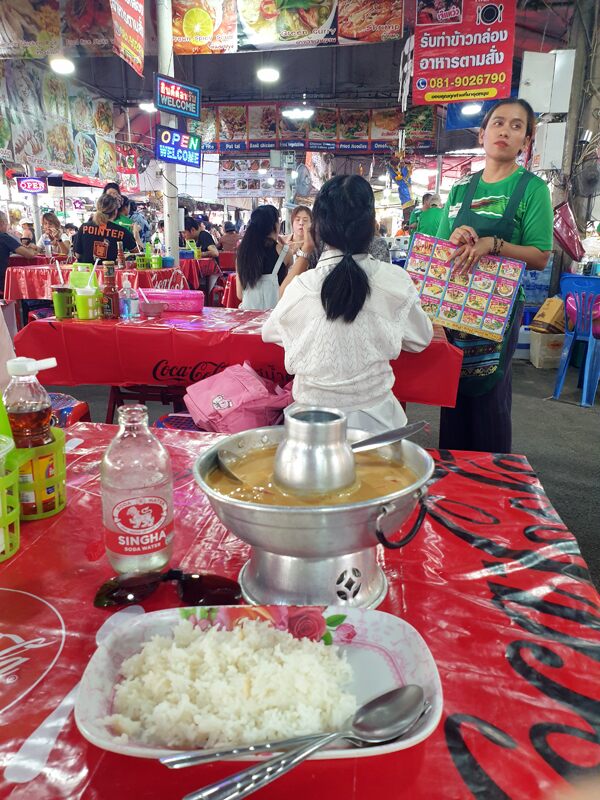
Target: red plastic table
181, 349
200, 270
492, 580
34, 282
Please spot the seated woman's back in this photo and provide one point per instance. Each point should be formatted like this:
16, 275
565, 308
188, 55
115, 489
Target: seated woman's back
261, 261
341, 323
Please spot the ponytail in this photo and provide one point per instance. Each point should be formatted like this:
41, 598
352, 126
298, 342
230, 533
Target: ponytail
253, 247
106, 209
345, 290
344, 218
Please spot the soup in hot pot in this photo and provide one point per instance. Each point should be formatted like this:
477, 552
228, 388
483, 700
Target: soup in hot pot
376, 476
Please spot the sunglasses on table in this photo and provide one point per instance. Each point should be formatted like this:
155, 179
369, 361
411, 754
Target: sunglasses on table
193, 589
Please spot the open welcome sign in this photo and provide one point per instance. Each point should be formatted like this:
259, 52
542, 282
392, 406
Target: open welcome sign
177, 147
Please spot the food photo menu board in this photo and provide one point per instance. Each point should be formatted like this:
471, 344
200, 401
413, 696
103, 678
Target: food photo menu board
479, 302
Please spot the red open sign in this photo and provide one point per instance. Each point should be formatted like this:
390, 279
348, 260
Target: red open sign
32, 185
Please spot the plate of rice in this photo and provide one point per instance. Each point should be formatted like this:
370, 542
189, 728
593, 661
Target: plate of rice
192, 678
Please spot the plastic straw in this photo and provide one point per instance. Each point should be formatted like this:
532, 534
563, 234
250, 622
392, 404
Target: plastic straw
89, 283
141, 291
60, 275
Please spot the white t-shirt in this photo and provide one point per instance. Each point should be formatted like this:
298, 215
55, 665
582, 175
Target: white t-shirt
347, 365
40, 241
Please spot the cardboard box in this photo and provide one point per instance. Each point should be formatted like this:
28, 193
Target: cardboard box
546, 349
524, 344
551, 317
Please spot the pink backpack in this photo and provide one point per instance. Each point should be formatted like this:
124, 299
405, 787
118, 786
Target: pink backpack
236, 399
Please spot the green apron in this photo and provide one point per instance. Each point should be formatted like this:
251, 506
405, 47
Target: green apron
485, 361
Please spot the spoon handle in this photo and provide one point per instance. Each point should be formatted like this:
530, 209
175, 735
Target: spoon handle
195, 757
244, 783
389, 437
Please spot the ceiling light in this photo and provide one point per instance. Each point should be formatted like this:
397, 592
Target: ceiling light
470, 109
382, 178
61, 65
267, 74
148, 107
298, 113
294, 174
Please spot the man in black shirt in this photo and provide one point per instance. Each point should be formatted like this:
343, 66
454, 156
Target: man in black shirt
203, 239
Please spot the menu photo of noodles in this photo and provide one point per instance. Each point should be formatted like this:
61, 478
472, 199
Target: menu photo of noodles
479, 302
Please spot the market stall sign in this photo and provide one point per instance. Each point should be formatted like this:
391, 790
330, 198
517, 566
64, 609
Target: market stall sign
128, 24
32, 185
463, 51
261, 127
177, 98
177, 147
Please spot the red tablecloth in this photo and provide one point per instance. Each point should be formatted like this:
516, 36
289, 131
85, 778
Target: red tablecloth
34, 282
492, 580
178, 350
199, 269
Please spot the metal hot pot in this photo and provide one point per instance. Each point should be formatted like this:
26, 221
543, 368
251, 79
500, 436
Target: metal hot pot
318, 555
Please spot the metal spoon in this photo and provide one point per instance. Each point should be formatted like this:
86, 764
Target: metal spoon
227, 460
379, 720
192, 758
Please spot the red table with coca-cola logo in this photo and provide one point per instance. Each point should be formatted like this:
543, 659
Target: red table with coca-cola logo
492, 580
179, 349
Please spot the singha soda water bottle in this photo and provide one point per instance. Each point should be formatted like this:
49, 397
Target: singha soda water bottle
137, 496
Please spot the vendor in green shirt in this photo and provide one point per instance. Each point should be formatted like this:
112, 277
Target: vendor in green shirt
416, 212
429, 220
502, 210
124, 220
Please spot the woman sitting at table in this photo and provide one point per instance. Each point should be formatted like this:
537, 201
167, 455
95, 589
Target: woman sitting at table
262, 261
504, 210
300, 220
97, 238
52, 231
341, 323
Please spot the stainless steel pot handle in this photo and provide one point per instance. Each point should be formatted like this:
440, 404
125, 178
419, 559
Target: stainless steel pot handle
385, 510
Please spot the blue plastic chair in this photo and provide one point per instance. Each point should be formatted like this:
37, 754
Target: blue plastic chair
586, 292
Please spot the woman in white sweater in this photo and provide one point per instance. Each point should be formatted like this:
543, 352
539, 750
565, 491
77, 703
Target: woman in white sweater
341, 323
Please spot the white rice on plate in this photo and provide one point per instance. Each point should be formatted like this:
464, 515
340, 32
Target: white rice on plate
216, 687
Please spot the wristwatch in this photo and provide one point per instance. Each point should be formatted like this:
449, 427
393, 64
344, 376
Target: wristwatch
303, 254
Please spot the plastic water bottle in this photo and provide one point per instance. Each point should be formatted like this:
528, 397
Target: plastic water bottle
137, 496
47, 242
29, 413
129, 303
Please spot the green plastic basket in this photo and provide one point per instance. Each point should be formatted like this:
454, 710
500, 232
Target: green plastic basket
39, 487
9, 507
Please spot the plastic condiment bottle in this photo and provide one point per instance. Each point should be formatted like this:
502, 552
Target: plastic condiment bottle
137, 496
129, 303
29, 413
120, 256
110, 295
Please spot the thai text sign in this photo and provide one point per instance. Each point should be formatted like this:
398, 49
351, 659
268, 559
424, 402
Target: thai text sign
128, 24
177, 147
463, 51
177, 98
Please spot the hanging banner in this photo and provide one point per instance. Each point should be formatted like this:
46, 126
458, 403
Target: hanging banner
463, 51
260, 127
250, 177
227, 26
127, 169
128, 24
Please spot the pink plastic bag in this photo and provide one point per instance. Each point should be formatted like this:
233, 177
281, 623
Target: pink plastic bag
235, 400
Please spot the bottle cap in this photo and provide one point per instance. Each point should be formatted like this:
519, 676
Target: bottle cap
28, 366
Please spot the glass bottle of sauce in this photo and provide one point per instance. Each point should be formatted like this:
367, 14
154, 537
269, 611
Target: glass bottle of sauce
110, 295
